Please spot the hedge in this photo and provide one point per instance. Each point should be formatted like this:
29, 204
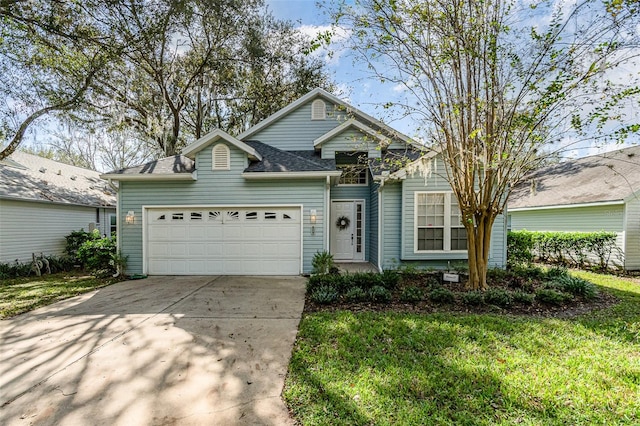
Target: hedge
575, 249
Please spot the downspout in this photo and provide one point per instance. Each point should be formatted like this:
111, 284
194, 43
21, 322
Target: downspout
118, 223
327, 201
380, 217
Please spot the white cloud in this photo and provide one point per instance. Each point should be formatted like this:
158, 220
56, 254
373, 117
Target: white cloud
332, 53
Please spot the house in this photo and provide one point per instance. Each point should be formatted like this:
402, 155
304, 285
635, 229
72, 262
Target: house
596, 193
42, 201
317, 175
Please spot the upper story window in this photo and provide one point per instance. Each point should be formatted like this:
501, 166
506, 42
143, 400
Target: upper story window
438, 223
318, 110
221, 157
354, 168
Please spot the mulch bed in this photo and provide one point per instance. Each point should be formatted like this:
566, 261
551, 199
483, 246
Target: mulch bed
569, 309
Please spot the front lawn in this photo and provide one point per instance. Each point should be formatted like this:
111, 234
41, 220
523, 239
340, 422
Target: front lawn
453, 368
18, 295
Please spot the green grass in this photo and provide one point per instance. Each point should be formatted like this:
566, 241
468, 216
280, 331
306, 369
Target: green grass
18, 295
390, 368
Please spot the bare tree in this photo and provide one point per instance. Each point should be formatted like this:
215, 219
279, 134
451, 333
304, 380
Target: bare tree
495, 87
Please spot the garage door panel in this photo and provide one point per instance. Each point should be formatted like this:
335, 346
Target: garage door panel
254, 240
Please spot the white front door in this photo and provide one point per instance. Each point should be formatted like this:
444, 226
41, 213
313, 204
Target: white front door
347, 230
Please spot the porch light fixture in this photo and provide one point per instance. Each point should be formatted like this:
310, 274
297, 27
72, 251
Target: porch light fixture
312, 218
130, 218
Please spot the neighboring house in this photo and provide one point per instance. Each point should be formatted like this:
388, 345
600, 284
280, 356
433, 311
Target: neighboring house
42, 201
317, 175
596, 193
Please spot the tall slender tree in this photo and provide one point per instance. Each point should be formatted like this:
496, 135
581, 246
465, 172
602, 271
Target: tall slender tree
495, 83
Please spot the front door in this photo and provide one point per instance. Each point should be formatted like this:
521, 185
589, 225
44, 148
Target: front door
347, 230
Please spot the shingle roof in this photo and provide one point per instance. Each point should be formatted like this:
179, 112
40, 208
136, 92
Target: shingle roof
611, 176
163, 166
276, 160
30, 177
393, 160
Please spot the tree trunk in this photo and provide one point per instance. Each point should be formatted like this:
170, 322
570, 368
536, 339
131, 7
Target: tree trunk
479, 244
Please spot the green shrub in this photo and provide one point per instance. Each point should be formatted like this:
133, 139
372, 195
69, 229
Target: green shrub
523, 297
473, 298
519, 248
390, 278
356, 294
497, 297
322, 263
335, 281
76, 239
441, 295
431, 281
552, 297
576, 286
379, 294
529, 272
100, 256
365, 280
324, 294
557, 271
412, 294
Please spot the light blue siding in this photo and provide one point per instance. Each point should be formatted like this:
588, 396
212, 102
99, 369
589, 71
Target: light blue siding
221, 188
296, 130
391, 199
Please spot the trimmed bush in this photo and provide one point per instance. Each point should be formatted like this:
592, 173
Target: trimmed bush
356, 294
552, 297
324, 294
497, 297
523, 298
411, 294
379, 294
577, 249
441, 295
473, 298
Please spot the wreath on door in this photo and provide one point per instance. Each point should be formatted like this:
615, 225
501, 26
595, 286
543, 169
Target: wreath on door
343, 222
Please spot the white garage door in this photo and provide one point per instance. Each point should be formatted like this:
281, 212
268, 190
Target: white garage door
229, 241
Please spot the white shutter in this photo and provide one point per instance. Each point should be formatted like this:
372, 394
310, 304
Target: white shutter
221, 157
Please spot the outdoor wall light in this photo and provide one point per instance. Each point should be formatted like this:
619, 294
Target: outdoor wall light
312, 218
130, 218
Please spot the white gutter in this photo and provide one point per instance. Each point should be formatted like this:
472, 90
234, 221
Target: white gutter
567, 206
327, 212
151, 177
289, 175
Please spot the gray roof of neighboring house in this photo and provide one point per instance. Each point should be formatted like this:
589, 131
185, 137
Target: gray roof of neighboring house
611, 176
163, 166
276, 160
30, 177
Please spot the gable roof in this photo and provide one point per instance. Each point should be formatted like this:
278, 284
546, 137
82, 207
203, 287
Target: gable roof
602, 178
349, 124
320, 93
177, 167
30, 177
214, 136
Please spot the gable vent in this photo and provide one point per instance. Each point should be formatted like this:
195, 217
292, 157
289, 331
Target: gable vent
221, 157
318, 110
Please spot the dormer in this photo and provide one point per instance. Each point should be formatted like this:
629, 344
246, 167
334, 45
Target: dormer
352, 135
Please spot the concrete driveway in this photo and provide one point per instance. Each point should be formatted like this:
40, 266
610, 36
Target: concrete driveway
164, 350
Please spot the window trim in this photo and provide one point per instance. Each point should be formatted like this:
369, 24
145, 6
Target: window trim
221, 149
446, 228
114, 216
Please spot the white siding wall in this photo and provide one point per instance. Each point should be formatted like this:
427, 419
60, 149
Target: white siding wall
32, 227
632, 240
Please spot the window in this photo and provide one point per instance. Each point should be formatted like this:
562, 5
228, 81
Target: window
113, 224
354, 167
221, 157
353, 175
318, 110
438, 224
251, 215
196, 215
177, 216
269, 216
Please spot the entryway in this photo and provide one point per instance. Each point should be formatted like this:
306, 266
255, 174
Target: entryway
347, 230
